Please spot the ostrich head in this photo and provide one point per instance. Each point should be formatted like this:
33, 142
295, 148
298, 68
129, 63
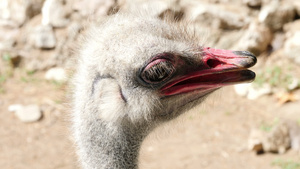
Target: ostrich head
136, 72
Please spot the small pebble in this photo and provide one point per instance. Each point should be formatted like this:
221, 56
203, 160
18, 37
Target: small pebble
242, 89
255, 93
15, 107
56, 74
294, 84
27, 114
44, 37
251, 92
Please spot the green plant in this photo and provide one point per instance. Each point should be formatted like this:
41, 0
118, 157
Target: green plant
7, 69
57, 101
275, 77
24, 79
265, 127
6, 57
30, 72
268, 126
289, 164
260, 80
298, 121
29, 79
57, 83
228, 113
2, 81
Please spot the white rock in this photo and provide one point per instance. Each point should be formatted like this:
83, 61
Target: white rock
255, 93
291, 28
276, 14
158, 7
256, 39
255, 140
252, 92
30, 113
297, 7
242, 89
54, 13
292, 47
226, 40
56, 74
278, 41
14, 107
43, 37
294, 132
278, 139
14, 13
73, 30
93, 7
253, 3
216, 16
294, 84
8, 38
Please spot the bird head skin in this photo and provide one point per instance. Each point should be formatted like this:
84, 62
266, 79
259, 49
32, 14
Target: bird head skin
145, 69
135, 72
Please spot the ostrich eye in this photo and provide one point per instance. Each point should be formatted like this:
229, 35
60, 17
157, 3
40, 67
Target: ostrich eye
157, 71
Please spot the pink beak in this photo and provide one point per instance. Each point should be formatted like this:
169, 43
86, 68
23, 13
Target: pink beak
220, 68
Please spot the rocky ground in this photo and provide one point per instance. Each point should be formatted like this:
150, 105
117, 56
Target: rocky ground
229, 131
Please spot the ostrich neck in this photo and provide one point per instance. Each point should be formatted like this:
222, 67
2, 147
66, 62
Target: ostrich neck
108, 145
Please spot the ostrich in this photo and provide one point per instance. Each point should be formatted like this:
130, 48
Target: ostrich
137, 72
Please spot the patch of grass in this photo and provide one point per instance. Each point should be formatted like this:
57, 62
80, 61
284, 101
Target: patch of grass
58, 84
6, 57
7, 69
267, 127
2, 81
260, 80
58, 101
274, 76
30, 72
203, 112
298, 121
2, 90
228, 113
29, 79
289, 164
24, 79
191, 117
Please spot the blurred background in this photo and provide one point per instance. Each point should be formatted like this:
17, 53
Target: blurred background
246, 126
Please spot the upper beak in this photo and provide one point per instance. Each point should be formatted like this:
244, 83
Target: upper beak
219, 68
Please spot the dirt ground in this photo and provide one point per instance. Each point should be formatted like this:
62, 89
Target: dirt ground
213, 135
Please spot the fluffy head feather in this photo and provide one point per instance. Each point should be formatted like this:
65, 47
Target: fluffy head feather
125, 63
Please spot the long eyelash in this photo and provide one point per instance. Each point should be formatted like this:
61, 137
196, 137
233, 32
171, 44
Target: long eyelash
159, 70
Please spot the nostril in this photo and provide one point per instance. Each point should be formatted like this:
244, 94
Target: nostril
212, 63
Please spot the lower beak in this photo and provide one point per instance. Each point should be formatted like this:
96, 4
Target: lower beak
220, 68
